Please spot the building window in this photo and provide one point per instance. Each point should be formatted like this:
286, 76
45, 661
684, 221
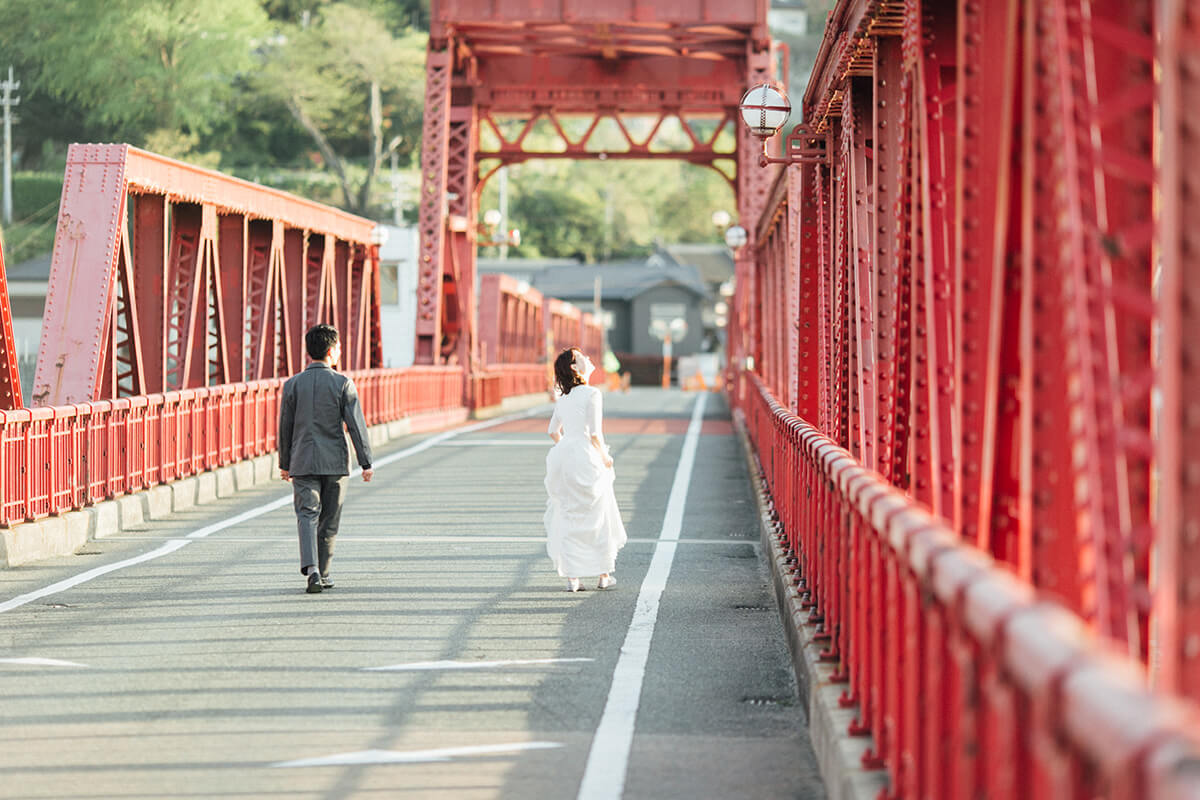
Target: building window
389, 285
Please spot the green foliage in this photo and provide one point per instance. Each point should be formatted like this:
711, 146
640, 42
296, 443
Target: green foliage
26, 240
602, 210
351, 83
36, 196
135, 66
314, 97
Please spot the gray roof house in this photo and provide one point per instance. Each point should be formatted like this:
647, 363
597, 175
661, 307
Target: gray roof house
634, 294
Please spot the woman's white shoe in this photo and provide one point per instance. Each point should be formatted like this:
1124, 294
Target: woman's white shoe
607, 582
573, 585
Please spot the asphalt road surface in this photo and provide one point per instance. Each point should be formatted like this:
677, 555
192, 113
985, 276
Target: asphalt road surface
184, 660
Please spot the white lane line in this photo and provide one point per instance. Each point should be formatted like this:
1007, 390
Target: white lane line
421, 666
415, 756
257, 511
432, 539
546, 443
608, 760
84, 577
434, 441
41, 662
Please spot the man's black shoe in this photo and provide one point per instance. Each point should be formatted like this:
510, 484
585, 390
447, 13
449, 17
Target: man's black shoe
326, 583
314, 583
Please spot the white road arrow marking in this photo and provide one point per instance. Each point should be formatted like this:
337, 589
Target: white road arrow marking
41, 662
417, 666
415, 756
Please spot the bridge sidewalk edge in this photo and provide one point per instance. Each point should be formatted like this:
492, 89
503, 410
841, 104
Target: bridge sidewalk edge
67, 533
839, 755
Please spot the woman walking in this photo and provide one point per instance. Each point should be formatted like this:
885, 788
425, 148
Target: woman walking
583, 524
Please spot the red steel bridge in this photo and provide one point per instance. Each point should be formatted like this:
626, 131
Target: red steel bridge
959, 343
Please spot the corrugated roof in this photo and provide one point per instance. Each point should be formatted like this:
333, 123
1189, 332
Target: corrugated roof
619, 280
714, 262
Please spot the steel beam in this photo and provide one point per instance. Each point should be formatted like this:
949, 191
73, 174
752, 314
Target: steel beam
10, 376
1176, 621
433, 209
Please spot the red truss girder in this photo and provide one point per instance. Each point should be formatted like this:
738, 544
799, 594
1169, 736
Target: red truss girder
1006, 308
10, 377
511, 326
545, 62
978, 321
682, 26
702, 42
562, 325
580, 84
168, 276
701, 148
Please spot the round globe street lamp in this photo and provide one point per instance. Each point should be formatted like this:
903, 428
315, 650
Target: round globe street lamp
379, 235
765, 109
495, 236
736, 237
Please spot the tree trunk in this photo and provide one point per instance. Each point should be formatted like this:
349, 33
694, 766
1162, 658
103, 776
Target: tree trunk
331, 158
364, 193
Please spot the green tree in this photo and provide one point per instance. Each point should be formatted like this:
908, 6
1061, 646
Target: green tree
597, 211
353, 85
133, 67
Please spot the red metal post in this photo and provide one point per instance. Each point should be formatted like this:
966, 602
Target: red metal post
987, 35
1176, 622
10, 377
434, 145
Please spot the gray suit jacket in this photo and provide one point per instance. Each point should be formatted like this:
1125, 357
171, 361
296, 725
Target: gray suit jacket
315, 403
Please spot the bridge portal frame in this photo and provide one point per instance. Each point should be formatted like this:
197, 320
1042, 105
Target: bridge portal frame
547, 62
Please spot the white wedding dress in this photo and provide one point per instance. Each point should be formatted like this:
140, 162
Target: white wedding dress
583, 524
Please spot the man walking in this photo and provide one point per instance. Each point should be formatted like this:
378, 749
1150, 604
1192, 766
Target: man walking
313, 453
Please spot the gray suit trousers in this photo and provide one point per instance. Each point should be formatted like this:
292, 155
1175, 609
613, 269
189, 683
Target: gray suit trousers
318, 502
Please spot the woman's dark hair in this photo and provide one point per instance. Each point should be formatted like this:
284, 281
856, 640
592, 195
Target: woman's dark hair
565, 377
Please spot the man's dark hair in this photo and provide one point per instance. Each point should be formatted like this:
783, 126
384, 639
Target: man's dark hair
319, 340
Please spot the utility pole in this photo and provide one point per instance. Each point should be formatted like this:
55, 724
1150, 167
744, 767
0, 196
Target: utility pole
8, 101
504, 213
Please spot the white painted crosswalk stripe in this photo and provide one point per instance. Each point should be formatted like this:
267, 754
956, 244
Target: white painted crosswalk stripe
415, 756
41, 662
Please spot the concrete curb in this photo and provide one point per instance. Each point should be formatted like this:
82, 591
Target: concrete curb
65, 534
839, 755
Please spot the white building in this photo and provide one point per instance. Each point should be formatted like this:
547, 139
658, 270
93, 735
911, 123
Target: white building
398, 295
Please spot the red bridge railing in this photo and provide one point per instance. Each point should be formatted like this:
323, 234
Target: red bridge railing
965, 343
970, 685
60, 458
